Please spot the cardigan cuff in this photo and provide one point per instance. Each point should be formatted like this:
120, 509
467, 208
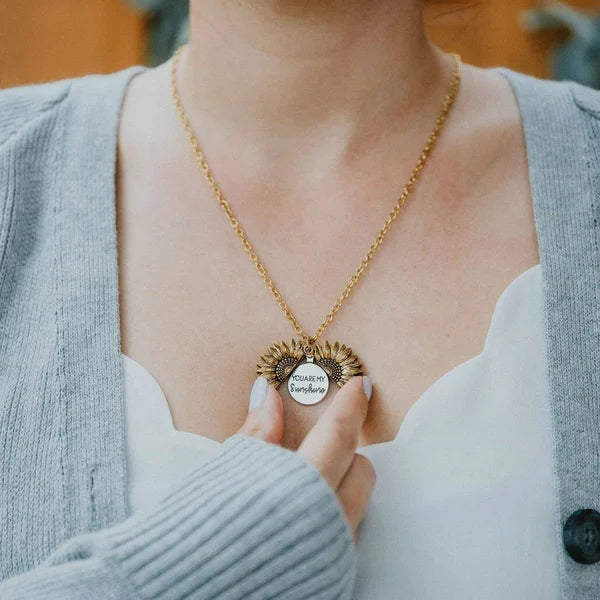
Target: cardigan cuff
256, 522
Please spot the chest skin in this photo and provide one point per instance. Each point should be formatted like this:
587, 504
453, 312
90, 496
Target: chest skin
196, 314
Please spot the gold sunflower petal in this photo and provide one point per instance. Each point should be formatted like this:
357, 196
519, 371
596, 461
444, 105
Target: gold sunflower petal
338, 361
281, 359
343, 353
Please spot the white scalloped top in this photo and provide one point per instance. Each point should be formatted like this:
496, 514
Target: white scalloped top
464, 504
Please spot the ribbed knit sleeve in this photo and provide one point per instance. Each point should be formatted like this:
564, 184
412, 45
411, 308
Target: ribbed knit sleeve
257, 522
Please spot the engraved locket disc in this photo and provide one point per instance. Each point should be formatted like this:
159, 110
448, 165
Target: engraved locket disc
308, 383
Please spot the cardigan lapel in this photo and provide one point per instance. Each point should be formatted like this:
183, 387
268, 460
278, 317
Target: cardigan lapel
91, 377
566, 214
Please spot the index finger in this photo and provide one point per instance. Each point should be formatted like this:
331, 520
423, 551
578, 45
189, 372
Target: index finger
331, 443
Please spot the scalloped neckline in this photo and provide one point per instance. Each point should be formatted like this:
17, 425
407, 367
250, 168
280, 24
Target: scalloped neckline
510, 289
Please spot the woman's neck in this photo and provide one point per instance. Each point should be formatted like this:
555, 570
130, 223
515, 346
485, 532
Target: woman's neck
286, 69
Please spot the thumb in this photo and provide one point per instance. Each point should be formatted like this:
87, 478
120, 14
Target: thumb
265, 413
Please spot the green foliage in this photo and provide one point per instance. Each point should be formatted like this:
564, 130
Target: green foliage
577, 59
169, 23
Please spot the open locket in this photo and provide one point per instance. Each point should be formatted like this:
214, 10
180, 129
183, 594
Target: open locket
308, 368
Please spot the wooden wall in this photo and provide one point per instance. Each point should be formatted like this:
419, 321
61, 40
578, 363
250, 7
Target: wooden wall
41, 40
488, 33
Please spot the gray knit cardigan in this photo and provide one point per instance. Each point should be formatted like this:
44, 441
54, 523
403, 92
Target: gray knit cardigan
257, 522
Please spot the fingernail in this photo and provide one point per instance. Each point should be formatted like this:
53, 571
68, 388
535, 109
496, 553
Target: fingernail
367, 386
258, 393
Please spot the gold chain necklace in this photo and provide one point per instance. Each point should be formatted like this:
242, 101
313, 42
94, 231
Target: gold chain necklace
306, 365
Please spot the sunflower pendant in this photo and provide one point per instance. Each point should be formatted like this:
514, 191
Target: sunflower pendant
308, 368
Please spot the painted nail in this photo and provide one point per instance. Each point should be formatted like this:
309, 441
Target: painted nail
367, 386
259, 393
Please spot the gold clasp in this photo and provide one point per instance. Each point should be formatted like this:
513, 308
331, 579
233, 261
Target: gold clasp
307, 346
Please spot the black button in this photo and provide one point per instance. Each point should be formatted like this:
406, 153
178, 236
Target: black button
581, 536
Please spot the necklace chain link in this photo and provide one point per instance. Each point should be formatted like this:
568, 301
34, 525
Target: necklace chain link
408, 187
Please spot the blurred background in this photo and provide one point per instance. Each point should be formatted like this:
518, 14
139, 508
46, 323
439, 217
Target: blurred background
42, 40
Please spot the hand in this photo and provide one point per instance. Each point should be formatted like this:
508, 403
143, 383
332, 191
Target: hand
330, 445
